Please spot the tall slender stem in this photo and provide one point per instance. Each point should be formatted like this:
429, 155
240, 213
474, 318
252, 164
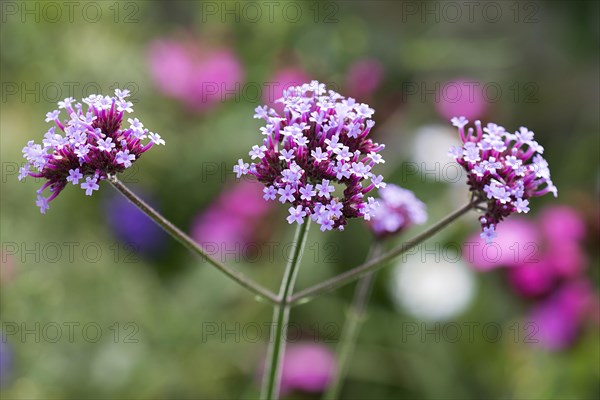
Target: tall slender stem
178, 234
281, 315
354, 319
310, 293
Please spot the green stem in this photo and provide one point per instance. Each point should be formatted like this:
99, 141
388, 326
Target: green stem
243, 280
310, 293
354, 319
281, 314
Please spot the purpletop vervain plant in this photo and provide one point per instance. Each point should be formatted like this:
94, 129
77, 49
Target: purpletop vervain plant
320, 140
398, 210
504, 169
94, 145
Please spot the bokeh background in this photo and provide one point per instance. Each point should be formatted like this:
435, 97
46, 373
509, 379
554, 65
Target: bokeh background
96, 302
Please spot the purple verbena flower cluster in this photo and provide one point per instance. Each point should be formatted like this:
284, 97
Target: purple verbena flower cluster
320, 140
93, 146
504, 169
398, 209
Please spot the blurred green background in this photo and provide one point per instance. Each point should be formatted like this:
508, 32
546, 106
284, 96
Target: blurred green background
157, 311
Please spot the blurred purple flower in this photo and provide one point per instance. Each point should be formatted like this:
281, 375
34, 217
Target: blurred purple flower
230, 222
516, 244
540, 255
132, 227
532, 279
363, 78
461, 97
564, 229
281, 81
307, 367
546, 262
558, 319
398, 210
6, 360
561, 223
194, 73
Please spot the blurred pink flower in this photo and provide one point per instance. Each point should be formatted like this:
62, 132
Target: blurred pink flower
567, 259
363, 78
516, 244
191, 72
558, 319
283, 79
230, 222
562, 223
398, 209
461, 97
539, 255
546, 261
8, 269
532, 279
307, 367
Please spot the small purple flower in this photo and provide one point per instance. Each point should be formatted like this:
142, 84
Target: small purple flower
74, 176
42, 203
488, 233
52, 115
307, 192
94, 145
324, 189
123, 157
257, 152
241, 168
287, 194
297, 214
521, 206
90, 185
270, 193
503, 168
105, 145
398, 210
156, 139
319, 139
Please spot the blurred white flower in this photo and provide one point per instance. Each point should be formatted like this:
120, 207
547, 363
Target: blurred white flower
432, 286
430, 154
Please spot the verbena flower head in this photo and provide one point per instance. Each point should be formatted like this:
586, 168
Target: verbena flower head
398, 210
503, 168
93, 144
318, 142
